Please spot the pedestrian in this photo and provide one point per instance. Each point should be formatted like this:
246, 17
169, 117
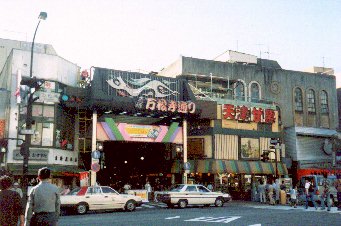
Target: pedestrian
126, 188
148, 187
325, 196
309, 193
293, 197
283, 187
277, 189
338, 189
66, 190
261, 191
210, 186
271, 195
43, 205
17, 189
11, 208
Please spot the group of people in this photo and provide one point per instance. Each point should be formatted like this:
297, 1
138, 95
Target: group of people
43, 204
310, 193
270, 192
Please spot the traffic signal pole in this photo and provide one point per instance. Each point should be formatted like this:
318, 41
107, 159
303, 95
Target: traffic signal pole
27, 144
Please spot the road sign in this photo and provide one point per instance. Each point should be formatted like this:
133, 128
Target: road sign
26, 132
96, 154
187, 166
95, 167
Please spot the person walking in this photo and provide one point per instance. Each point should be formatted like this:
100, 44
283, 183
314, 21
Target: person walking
293, 197
11, 209
325, 196
271, 195
309, 193
43, 205
261, 192
17, 189
148, 187
277, 189
338, 189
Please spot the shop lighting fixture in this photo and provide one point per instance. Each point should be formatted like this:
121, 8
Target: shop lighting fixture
125, 162
142, 158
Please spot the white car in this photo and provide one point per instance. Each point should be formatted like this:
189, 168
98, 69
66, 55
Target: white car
98, 198
193, 194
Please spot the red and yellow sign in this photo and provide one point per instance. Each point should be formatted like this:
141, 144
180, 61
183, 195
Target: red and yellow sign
2, 128
248, 114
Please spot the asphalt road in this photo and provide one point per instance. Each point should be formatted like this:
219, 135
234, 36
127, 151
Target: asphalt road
234, 213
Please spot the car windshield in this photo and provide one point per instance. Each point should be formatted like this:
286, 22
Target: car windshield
74, 191
177, 187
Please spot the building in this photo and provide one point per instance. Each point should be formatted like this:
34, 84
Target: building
49, 118
305, 102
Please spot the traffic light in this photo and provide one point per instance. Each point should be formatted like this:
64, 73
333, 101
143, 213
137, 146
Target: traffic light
23, 149
3, 145
3, 149
32, 82
265, 156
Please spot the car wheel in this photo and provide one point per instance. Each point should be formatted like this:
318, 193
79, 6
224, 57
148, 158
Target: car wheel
82, 208
218, 202
182, 203
130, 206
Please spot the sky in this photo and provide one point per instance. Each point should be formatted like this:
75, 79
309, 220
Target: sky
148, 35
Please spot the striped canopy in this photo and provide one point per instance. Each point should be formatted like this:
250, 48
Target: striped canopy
231, 166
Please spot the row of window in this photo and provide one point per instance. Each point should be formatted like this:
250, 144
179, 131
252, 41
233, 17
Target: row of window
311, 101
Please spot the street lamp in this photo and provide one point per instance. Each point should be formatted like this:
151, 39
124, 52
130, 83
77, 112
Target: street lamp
27, 144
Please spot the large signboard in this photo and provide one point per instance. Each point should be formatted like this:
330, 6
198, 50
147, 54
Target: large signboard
248, 114
35, 154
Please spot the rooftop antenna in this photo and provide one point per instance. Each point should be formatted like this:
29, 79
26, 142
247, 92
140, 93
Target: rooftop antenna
260, 50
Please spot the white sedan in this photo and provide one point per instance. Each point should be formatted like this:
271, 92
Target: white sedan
193, 194
98, 198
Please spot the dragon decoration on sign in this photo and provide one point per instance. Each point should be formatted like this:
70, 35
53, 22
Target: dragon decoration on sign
145, 87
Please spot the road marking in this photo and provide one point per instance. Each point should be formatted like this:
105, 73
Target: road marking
224, 220
169, 218
255, 225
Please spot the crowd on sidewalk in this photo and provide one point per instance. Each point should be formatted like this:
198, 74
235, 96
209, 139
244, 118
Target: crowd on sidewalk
272, 193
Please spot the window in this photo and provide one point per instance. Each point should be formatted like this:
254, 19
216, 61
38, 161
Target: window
202, 189
324, 102
255, 95
298, 100
249, 148
311, 101
191, 188
239, 90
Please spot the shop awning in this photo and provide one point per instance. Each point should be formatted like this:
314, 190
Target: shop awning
231, 166
56, 170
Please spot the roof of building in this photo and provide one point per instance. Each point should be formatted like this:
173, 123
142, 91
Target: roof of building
311, 131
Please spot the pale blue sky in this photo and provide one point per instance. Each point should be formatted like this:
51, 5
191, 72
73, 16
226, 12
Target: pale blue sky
150, 34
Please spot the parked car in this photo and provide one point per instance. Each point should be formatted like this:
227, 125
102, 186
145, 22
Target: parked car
98, 198
317, 181
193, 194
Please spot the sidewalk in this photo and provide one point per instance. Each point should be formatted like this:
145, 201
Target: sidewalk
283, 207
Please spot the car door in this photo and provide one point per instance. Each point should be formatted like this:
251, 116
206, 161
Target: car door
112, 198
95, 198
192, 195
206, 196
